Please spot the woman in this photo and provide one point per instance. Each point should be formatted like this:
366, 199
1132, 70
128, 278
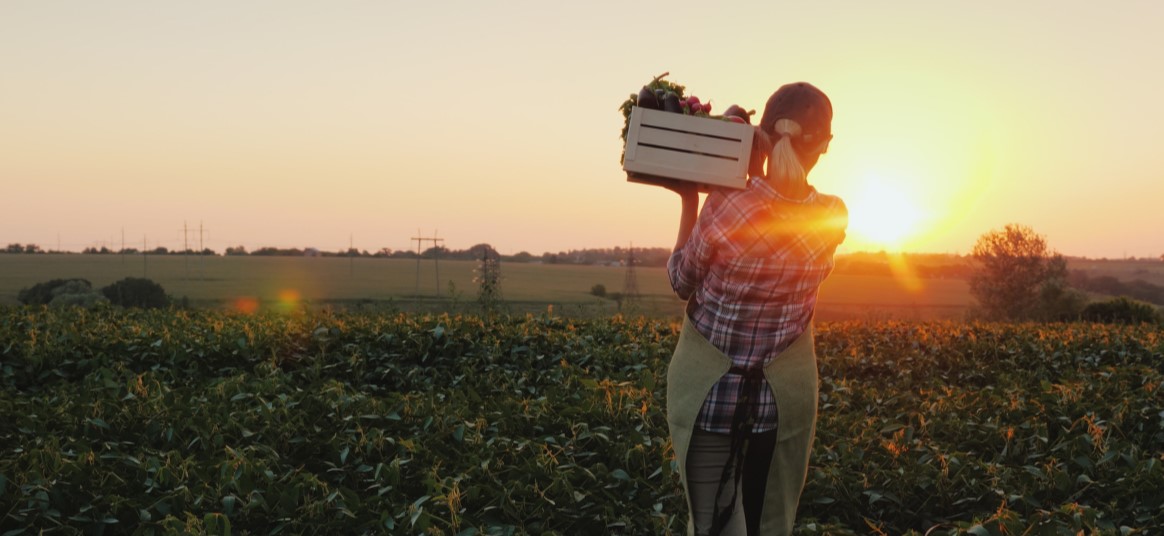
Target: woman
742, 384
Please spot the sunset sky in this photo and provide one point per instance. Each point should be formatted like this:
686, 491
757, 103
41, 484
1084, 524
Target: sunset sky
309, 124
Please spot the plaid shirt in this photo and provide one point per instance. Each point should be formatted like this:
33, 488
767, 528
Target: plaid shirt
753, 265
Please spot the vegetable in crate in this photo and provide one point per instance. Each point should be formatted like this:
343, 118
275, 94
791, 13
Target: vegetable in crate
739, 115
659, 88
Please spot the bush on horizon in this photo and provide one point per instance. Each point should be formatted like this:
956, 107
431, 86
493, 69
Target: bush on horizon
136, 292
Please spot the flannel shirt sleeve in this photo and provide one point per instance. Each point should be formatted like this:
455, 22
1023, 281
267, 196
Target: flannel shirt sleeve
689, 264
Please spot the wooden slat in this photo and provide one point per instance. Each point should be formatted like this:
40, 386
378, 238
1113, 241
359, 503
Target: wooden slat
689, 142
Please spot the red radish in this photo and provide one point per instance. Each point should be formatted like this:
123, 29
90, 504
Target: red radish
696, 107
734, 119
692, 100
707, 107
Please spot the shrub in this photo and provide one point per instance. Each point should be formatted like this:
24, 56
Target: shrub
77, 293
42, 293
1121, 310
598, 290
136, 292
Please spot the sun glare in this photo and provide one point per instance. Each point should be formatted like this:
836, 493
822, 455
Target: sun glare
883, 215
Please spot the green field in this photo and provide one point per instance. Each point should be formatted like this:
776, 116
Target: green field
221, 281
209, 422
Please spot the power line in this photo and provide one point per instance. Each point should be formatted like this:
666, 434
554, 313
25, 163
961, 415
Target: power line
630, 285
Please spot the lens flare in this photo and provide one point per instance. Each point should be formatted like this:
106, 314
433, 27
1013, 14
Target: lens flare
289, 300
246, 305
905, 274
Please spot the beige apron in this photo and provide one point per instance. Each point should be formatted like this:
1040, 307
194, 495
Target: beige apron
697, 365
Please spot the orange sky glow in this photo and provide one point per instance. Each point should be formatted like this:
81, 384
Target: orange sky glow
308, 124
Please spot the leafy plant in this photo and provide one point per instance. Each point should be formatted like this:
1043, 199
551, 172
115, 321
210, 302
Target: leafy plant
136, 292
187, 421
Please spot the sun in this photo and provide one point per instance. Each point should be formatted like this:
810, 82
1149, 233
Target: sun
883, 215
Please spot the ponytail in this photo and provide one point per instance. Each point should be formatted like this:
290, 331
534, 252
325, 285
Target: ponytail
783, 163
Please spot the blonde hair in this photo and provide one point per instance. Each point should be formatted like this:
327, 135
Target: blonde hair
783, 162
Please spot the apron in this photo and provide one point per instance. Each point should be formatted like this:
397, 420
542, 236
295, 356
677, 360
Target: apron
697, 365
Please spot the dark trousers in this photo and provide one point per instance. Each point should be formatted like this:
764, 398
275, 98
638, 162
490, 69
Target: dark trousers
706, 458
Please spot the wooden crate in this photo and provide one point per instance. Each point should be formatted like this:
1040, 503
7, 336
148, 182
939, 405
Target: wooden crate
665, 146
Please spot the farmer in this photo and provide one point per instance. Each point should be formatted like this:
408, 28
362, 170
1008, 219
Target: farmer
742, 384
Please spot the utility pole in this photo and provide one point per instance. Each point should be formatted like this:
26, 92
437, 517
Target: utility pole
417, 239
201, 249
436, 259
186, 248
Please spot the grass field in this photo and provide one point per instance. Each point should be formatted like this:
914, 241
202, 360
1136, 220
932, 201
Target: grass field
222, 281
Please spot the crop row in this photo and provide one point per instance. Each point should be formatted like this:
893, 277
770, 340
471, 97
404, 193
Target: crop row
182, 421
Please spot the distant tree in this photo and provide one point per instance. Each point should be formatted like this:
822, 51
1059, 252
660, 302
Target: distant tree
237, 250
136, 292
522, 256
598, 290
435, 251
32, 248
1018, 277
14, 248
1056, 299
1137, 289
480, 251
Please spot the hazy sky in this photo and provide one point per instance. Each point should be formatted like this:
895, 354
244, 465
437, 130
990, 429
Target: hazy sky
296, 124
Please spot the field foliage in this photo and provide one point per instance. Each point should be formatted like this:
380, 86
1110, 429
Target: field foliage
155, 422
